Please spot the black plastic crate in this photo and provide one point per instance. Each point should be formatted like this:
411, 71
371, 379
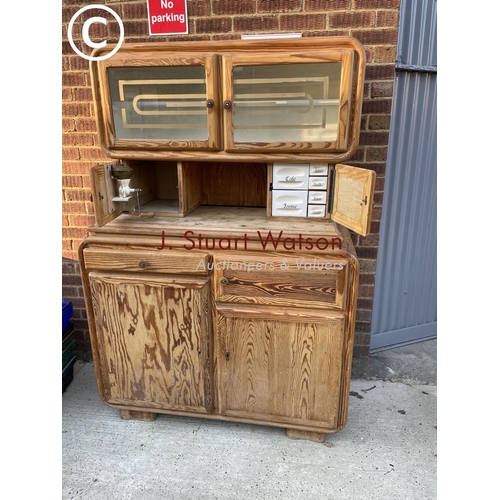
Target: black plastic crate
67, 374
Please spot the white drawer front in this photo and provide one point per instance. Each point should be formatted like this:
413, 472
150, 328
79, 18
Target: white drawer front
290, 176
317, 182
317, 197
289, 203
318, 169
316, 211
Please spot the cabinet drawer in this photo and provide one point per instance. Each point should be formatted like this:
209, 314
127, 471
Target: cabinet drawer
289, 203
290, 176
281, 279
317, 197
146, 261
316, 211
318, 169
318, 182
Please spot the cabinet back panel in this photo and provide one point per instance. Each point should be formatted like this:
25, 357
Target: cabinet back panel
166, 180
235, 184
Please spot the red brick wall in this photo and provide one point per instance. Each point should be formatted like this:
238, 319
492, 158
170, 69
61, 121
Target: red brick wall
373, 22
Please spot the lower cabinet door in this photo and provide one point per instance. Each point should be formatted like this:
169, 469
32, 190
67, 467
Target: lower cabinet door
152, 335
282, 369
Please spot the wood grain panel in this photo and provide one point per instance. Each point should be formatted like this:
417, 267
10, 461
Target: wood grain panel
153, 338
166, 180
300, 280
190, 186
236, 184
346, 85
353, 198
102, 193
146, 261
282, 370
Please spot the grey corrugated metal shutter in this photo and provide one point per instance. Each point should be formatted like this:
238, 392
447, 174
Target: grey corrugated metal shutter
405, 301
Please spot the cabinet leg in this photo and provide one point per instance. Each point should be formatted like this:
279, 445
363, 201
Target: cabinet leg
319, 437
146, 416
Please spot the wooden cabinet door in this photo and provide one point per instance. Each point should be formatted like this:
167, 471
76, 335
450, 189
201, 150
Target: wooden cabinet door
103, 190
290, 101
148, 101
152, 335
353, 198
284, 369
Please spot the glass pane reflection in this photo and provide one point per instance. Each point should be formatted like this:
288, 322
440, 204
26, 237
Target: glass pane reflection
286, 102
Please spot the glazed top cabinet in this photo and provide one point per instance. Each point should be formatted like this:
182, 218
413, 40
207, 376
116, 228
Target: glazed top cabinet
227, 286
279, 100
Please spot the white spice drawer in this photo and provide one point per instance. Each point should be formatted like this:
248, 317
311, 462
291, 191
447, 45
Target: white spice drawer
288, 203
316, 210
290, 176
317, 197
318, 182
318, 169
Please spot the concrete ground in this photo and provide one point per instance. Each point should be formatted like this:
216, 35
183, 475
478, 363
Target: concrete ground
387, 450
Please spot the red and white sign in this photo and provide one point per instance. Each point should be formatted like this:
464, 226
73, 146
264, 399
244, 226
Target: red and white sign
167, 17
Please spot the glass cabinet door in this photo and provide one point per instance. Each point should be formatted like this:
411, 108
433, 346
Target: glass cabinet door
290, 102
168, 104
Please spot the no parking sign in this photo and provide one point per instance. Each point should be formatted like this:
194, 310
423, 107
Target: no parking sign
167, 17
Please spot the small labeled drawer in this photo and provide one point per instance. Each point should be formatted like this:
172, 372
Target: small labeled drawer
316, 211
289, 203
146, 261
281, 279
318, 182
318, 169
290, 176
317, 197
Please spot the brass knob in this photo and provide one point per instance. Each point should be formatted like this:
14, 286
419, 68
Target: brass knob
142, 264
210, 103
223, 281
227, 104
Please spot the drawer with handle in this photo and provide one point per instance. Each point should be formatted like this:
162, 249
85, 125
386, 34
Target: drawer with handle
289, 203
151, 261
317, 197
318, 183
318, 169
290, 176
316, 211
281, 280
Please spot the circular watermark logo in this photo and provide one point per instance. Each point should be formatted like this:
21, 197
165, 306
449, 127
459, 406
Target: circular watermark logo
85, 32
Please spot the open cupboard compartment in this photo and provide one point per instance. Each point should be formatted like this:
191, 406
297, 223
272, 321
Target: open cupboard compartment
165, 189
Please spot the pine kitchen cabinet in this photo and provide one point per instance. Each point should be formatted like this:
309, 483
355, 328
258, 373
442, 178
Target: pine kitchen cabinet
220, 278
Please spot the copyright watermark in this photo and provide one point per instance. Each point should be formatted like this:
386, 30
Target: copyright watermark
85, 32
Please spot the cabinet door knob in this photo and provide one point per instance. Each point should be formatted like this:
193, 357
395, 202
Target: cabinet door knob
210, 103
223, 281
142, 264
227, 104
